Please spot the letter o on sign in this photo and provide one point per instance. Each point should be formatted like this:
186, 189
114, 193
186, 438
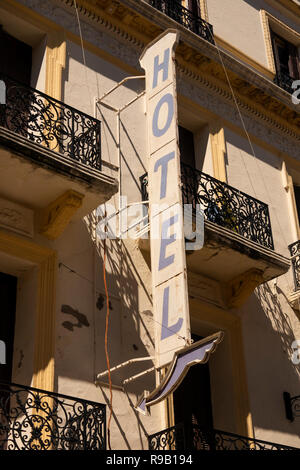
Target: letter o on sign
168, 99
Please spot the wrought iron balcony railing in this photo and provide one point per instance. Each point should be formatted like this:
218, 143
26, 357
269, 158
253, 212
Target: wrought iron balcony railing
295, 256
284, 81
292, 406
51, 123
193, 438
224, 205
33, 419
187, 18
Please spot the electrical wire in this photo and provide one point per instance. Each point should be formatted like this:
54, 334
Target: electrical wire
80, 32
251, 146
104, 261
99, 292
83, 52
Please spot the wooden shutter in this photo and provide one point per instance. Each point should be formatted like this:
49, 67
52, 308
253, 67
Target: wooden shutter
194, 7
294, 62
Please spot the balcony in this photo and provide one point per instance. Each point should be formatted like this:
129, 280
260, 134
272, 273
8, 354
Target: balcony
224, 205
185, 17
284, 81
238, 252
54, 150
33, 419
183, 437
295, 257
51, 123
294, 297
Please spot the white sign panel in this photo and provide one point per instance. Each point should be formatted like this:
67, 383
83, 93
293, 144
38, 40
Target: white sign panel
168, 259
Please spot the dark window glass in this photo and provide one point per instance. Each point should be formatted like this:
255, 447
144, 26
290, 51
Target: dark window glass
16, 58
286, 57
192, 399
186, 146
8, 293
15, 63
297, 197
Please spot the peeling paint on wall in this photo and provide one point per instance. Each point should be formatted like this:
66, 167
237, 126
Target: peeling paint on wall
80, 317
100, 303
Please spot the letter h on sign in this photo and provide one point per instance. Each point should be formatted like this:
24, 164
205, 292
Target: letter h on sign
164, 66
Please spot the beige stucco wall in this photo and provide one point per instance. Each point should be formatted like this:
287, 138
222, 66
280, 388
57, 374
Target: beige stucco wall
269, 328
236, 22
240, 24
80, 348
258, 175
269, 323
38, 71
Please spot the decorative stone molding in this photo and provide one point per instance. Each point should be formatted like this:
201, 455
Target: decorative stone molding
218, 147
282, 29
287, 182
294, 300
44, 349
237, 53
239, 289
204, 10
205, 289
55, 63
58, 214
198, 60
267, 109
268, 41
16, 218
44, 340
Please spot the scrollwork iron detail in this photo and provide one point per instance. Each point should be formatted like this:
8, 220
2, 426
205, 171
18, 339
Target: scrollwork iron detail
295, 258
51, 123
33, 419
223, 205
187, 18
284, 81
185, 437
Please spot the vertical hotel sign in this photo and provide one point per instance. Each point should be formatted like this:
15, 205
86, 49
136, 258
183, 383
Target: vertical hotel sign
168, 261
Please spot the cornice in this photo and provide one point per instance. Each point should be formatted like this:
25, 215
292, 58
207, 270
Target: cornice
139, 23
291, 5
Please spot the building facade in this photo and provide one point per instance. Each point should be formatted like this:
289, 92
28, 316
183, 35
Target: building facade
74, 147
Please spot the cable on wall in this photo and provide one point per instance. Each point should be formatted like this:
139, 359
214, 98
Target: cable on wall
252, 148
73, 271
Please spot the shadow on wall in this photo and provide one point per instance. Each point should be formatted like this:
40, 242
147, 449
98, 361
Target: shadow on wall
80, 352
268, 337
130, 331
86, 82
280, 321
130, 173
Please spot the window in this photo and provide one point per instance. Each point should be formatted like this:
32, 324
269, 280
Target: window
186, 13
186, 146
286, 61
297, 198
192, 399
194, 7
16, 64
8, 293
16, 58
